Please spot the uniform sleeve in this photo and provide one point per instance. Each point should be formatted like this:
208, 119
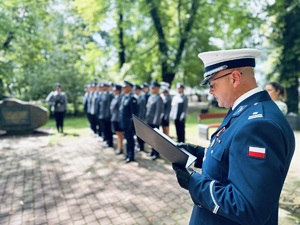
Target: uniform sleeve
143, 108
66, 101
254, 183
133, 106
199, 154
168, 109
184, 108
185, 104
49, 98
159, 108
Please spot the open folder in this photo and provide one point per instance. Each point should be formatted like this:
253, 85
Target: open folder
162, 143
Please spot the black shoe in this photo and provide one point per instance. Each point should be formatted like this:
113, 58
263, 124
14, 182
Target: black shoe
104, 145
150, 154
128, 160
119, 153
155, 157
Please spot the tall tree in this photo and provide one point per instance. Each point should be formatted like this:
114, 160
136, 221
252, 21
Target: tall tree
285, 37
168, 68
160, 39
76, 41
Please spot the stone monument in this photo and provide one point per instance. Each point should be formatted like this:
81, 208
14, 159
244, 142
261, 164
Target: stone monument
19, 117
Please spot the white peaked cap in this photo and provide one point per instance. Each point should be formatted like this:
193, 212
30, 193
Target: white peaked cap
216, 61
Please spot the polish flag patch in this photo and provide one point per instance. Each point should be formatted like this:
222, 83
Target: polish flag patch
257, 152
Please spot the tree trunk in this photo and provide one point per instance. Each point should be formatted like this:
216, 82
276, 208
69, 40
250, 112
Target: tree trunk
1, 89
169, 66
293, 98
121, 40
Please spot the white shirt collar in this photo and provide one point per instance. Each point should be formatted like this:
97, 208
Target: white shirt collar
245, 96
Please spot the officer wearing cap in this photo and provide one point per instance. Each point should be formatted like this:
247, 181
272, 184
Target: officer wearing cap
141, 110
98, 94
91, 108
154, 111
145, 89
246, 163
103, 112
167, 99
85, 98
127, 108
178, 112
58, 104
115, 117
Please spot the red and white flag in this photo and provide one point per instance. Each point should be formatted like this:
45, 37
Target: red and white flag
257, 152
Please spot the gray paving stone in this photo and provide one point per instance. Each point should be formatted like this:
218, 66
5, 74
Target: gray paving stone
47, 179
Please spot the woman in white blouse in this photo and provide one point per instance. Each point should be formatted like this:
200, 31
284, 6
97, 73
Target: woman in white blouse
277, 94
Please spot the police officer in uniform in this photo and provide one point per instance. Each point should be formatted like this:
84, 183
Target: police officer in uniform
178, 112
167, 99
92, 107
115, 117
154, 111
127, 108
58, 102
246, 163
85, 99
145, 89
141, 110
103, 112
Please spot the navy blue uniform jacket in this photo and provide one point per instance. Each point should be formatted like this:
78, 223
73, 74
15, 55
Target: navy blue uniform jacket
127, 108
244, 167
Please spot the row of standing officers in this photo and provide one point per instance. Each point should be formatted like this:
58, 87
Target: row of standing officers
109, 108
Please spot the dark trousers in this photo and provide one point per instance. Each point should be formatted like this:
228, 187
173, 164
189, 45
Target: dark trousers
141, 144
106, 131
59, 118
180, 130
94, 123
88, 116
129, 136
154, 152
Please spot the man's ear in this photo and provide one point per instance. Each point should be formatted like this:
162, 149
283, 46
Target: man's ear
236, 78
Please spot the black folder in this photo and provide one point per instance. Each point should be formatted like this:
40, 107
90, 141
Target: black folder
162, 143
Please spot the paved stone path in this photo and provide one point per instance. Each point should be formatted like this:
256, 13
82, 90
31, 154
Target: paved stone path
54, 179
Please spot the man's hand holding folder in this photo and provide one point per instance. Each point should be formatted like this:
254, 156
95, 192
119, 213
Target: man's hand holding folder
184, 174
163, 143
195, 150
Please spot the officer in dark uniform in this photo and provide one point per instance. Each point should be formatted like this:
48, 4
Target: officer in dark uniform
154, 111
91, 108
246, 163
127, 108
58, 102
104, 115
85, 98
115, 117
99, 91
167, 99
145, 89
178, 112
141, 110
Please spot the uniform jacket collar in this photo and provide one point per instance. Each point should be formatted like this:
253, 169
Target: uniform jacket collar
241, 108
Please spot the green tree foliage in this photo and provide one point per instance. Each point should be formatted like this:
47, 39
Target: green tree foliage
160, 40
75, 42
42, 44
285, 37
